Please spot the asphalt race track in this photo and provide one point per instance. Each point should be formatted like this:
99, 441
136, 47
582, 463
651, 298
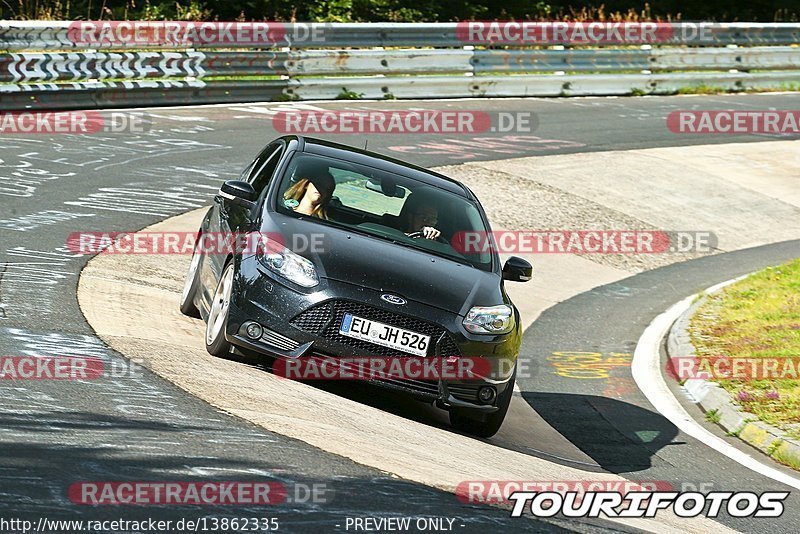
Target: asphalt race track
54, 434
610, 421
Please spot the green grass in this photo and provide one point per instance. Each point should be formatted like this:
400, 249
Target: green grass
347, 94
758, 317
714, 90
713, 416
702, 89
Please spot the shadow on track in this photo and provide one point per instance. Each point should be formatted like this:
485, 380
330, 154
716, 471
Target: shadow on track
588, 432
618, 436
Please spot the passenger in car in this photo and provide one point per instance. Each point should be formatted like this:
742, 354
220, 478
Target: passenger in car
310, 196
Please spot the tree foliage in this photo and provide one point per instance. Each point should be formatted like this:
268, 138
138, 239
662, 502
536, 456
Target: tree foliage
401, 10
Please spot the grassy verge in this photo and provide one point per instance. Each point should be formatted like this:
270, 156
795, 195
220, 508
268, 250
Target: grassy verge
712, 90
758, 317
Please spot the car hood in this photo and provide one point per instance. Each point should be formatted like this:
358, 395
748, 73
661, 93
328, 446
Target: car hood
386, 267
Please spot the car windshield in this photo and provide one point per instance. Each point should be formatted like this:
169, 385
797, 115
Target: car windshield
385, 205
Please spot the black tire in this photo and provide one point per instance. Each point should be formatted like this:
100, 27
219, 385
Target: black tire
216, 344
480, 425
191, 285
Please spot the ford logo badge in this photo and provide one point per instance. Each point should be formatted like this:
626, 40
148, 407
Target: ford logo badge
393, 299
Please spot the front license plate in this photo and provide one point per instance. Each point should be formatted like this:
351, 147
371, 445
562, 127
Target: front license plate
384, 335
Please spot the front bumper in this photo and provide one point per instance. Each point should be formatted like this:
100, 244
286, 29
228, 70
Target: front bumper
303, 323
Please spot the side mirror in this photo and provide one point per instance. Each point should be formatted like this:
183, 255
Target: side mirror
517, 270
238, 192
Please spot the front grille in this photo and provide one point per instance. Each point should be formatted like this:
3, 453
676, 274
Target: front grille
325, 319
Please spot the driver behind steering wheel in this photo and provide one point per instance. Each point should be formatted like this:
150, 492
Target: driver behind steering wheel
420, 215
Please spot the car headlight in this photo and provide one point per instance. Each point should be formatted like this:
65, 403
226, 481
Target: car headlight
282, 261
490, 319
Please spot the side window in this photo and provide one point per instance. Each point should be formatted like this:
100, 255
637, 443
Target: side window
263, 167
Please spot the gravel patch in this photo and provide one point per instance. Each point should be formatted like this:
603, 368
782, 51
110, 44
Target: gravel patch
515, 203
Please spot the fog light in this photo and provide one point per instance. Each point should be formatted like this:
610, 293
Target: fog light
486, 394
254, 331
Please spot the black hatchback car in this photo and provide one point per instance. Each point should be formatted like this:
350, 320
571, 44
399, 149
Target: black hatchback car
361, 255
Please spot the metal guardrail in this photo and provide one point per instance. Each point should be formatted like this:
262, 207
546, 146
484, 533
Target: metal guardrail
130, 93
86, 95
660, 59
96, 64
78, 66
520, 86
81, 66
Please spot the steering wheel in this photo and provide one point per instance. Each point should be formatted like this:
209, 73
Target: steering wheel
418, 234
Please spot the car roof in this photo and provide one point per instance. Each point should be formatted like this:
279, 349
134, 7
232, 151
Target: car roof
321, 147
